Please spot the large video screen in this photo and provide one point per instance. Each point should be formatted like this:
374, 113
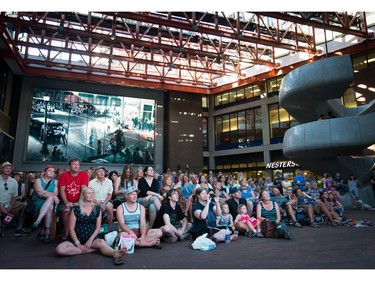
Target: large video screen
91, 127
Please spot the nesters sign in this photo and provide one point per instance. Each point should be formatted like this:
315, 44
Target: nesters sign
281, 164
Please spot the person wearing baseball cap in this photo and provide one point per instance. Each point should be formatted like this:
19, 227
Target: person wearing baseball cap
233, 203
103, 190
8, 200
131, 218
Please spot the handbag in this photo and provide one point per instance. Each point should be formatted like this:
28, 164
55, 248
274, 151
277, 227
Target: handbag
30, 207
268, 228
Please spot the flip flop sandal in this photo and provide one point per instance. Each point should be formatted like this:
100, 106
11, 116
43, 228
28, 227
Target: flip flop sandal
117, 260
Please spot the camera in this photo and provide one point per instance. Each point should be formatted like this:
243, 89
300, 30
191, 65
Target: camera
212, 195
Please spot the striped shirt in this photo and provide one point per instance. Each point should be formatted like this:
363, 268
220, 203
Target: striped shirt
268, 214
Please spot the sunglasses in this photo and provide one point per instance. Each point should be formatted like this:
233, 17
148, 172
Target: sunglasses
6, 186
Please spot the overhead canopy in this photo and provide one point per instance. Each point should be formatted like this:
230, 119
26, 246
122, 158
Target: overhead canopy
190, 51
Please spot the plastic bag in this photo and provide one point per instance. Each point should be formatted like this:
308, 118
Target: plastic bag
203, 243
110, 237
128, 242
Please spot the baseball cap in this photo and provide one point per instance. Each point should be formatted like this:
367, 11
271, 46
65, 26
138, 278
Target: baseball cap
6, 164
98, 168
132, 189
235, 189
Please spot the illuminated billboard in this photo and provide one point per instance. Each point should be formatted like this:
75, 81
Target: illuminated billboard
91, 127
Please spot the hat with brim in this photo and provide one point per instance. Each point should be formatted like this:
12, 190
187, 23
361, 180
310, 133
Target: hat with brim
132, 189
98, 168
6, 164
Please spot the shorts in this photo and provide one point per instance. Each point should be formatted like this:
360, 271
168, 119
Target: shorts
63, 209
18, 207
354, 193
148, 203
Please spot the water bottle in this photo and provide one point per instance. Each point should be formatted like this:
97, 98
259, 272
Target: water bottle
227, 236
116, 242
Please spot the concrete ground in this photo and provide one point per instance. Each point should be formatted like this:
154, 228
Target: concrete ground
326, 247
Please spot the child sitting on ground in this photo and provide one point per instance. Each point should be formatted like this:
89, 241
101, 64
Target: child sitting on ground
251, 222
226, 220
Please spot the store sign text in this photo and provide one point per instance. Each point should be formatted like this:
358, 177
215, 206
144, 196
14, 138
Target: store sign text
281, 164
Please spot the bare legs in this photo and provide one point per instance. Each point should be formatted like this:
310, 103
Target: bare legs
152, 238
67, 248
109, 210
46, 212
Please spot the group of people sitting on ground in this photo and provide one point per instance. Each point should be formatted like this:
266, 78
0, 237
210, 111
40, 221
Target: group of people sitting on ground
167, 208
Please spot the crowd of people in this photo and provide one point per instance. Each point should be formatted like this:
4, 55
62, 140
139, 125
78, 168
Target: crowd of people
170, 207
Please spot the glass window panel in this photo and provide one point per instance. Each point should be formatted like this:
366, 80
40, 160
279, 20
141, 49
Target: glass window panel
205, 102
250, 125
249, 92
241, 127
234, 128
218, 100
349, 98
240, 94
258, 124
232, 96
359, 62
218, 130
224, 98
226, 126
256, 90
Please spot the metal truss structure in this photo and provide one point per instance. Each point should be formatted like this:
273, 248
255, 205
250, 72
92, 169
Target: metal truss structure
184, 51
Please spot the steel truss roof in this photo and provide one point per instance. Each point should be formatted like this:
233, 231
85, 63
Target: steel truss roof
172, 50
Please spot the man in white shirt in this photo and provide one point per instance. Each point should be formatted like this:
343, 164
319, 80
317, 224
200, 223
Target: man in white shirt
103, 189
8, 200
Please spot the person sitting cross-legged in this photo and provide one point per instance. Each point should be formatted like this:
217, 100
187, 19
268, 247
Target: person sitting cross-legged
302, 204
171, 219
204, 216
269, 210
131, 218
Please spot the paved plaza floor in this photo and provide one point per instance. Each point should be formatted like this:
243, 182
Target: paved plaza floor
327, 247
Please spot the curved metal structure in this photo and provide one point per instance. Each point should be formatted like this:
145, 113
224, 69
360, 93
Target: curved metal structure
328, 145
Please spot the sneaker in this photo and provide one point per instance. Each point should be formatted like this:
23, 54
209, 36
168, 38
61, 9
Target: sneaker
297, 224
313, 224
259, 235
279, 231
187, 235
21, 233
